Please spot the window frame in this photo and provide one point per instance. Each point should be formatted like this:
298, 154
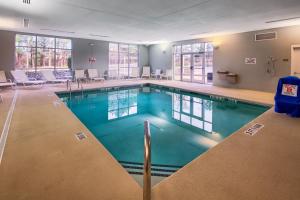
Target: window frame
206, 48
128, 55
36, 48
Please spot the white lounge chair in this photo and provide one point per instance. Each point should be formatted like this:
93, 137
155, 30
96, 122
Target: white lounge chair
94, 75
146, 72
21, 78
79, 75
135, 73
4, 82
49, 77
167, 75
156, 74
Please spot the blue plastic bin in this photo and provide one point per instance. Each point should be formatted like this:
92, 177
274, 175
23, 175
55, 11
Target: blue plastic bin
287, 98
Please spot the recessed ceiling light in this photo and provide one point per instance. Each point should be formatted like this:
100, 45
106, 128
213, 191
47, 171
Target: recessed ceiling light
55, 30
281, 20
96, 35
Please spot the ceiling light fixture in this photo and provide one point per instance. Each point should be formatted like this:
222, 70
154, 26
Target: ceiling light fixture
55, 30
26, 1
281, 20
96, 35
193, 34
26, 22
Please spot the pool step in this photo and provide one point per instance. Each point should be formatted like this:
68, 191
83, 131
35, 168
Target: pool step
156, 169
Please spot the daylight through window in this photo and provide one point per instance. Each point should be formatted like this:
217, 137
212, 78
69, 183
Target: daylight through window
41, 52
122, 59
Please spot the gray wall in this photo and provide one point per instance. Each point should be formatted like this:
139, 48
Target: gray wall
7, 50
229, 56
81, 53
160, 57
232, 51
143, 56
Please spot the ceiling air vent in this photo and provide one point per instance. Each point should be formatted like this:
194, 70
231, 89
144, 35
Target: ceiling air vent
265, 36
26, 1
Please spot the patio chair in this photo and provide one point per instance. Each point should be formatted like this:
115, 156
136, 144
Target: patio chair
135, 73
94, 75
79, 75
49, 77
146, 72
21, 78
4, 82
156, 74
167, 75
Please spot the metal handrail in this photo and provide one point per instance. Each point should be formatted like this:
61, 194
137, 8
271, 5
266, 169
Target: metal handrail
79, 84
81, 87
147, 162
70, 91
68, 84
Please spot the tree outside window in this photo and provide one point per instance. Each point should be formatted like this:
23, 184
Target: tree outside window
39, 52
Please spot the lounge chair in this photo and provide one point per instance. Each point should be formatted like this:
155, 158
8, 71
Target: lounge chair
156, 74
135, 73
21, 78
146, 72
94, 75
4, 82
49, 77
167, 75
79, 75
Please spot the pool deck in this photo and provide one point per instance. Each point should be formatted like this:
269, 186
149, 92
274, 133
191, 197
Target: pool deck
43, 159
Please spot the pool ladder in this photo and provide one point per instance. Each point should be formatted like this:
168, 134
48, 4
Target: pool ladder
79, 83
69, 87
147, 162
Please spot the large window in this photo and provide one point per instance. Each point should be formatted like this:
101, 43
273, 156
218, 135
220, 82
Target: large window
40, 52
122, 59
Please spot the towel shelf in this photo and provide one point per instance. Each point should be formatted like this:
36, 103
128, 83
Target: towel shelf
228, 76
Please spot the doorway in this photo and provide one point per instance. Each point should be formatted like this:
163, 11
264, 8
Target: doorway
193, 69
193, 62
295, 61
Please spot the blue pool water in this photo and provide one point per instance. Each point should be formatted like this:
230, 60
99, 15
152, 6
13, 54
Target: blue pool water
183, 125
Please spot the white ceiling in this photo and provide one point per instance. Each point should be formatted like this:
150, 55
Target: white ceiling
146, 21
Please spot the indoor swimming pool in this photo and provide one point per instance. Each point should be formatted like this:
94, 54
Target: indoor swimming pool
183, 124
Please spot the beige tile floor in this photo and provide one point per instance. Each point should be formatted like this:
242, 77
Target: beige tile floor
4, 106
44, 160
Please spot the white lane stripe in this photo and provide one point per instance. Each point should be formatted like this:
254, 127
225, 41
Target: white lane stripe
7, 125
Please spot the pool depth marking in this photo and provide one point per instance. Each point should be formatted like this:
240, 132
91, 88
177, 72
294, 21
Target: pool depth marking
80, 136
7, 125
254, 129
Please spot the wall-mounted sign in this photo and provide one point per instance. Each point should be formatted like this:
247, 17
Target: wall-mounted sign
289, 90
250, 61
